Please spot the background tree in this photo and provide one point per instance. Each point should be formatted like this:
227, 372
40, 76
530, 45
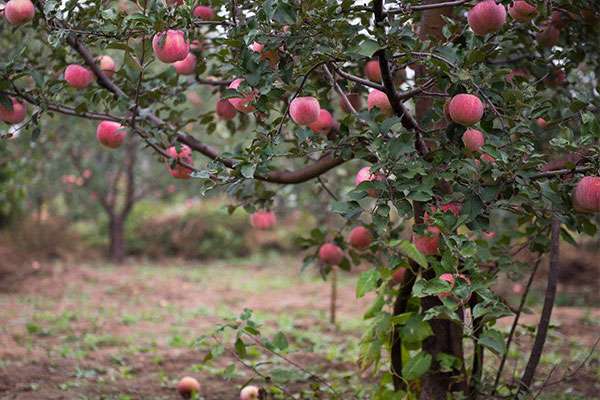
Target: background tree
477, 130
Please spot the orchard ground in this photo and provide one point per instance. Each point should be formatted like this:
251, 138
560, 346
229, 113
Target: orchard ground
102, 332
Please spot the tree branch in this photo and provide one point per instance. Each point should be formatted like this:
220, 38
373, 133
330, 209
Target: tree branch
542, 331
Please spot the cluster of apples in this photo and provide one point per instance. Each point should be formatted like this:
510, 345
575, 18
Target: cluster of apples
188, 387
488, 17
306, 111
359, 238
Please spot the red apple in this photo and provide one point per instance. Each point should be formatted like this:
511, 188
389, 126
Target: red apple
263, 219
428, 245
360, 238
250, 393
487, 158
541, 122
78, 76
187, 66
548, 36
270, 55
586, 195
398, 276
205, 13
110, 134
184, 155
242, 104
473, 139
380, 100
373, 71
522, 11
16, 115
225, 110
454, 208
486, 17
364, 174
447, 278
324, 124
305, 110
107, 65
465, 109
331, 254
18, 12
175, 2
187, 387
170, 46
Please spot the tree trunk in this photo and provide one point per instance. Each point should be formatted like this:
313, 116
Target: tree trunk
116, 233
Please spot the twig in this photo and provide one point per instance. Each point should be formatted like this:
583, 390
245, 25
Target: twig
515, 324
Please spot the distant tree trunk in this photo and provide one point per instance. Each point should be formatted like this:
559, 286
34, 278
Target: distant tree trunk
116, 234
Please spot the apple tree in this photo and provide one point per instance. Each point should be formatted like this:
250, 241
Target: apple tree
474, 124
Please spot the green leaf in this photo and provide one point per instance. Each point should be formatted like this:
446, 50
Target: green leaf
367, 48
415, 330
248, 170
409, 250
493, 340
240, 348
416, 366
367, 282
280, 341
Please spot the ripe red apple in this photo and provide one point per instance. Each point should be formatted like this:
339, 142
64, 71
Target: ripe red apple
486, 17
473, 139
487, 158
111, 134
365, 174
16, 115
187, 66
380, 100
522, 11
205, 13
465, 109
185, 155
398, 276
354, 99
428, 245
18, 12
331, 254
170, 46
242, 104
78, 76
586, 195
187, 387
270, 55
250, 393
548, 36
559, 19
447, 278
305, 110
107, 65
225, 110
557, 77
360, 238
373, 71
263, 219
324, 124
541, 122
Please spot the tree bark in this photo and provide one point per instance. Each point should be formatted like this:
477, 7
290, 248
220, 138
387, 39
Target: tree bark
116, 233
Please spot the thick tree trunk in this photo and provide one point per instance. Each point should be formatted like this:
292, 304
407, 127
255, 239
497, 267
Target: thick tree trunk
116, 233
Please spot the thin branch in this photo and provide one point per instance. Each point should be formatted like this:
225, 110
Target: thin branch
333, 196
357, 79
515, 324
212, 82
559, 172
542, 330
423, 7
